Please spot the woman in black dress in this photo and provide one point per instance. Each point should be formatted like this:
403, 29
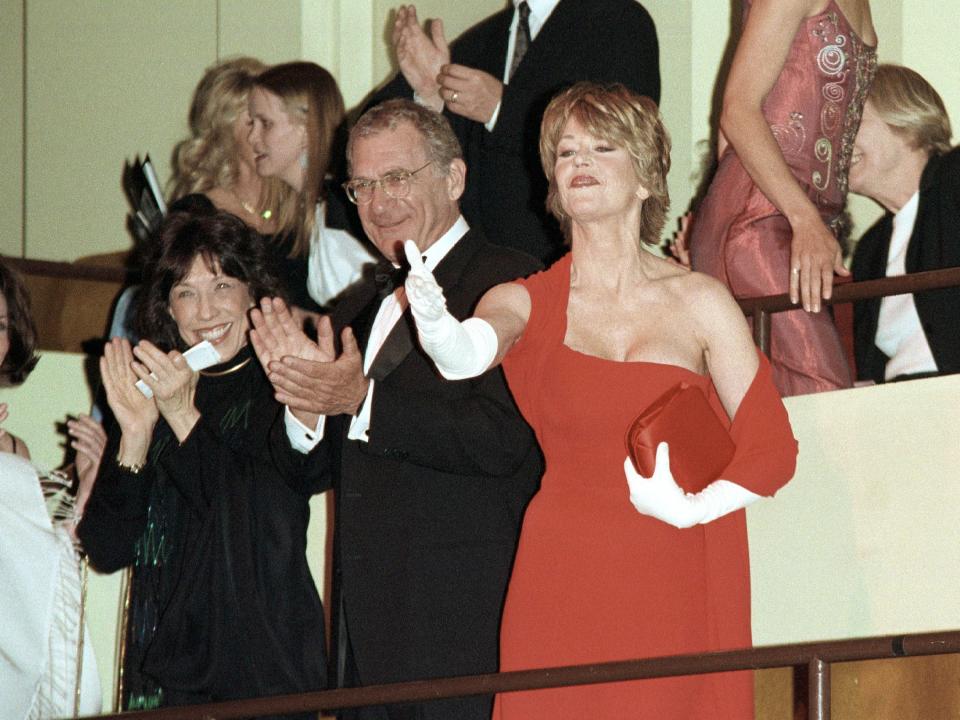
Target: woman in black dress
194, 497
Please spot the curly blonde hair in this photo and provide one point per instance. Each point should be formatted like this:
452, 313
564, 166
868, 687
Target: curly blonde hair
208, 158
618, 115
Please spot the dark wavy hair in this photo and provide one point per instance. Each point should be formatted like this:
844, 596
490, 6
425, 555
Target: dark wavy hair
224, 242
22, 332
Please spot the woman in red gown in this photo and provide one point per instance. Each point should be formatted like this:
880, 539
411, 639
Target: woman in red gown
612, 565
791, 109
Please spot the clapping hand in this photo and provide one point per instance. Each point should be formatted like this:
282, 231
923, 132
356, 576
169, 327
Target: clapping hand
420, 56
308, 377
89, 440
173, 383
469, 92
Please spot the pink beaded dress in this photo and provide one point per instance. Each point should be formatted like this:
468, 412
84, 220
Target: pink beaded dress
738, 235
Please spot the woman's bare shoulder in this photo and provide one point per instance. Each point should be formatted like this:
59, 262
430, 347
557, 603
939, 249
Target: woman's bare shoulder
10, 443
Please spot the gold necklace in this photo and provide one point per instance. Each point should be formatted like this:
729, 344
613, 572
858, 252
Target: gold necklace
221, 373
266, 214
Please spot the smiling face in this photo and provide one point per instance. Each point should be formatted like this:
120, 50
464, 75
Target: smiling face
878, 152
208, 305
594, 177
430, 207
277, 139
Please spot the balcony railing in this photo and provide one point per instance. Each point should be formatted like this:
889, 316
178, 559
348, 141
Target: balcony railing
761, 308
816, 657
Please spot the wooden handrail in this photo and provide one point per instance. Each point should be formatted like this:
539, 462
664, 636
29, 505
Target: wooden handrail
761, 308
73, 271
816, 656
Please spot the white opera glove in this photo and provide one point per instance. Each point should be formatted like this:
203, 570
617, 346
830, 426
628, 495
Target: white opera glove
460, 350
660, 497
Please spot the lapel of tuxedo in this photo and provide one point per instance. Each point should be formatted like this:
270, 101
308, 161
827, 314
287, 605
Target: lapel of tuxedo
494, 53
357, 308
401, 341
557, 33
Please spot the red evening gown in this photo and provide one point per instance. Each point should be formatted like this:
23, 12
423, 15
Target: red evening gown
596, 581
739, 237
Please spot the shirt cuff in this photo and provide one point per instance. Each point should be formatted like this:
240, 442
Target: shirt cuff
302, 439
492, 122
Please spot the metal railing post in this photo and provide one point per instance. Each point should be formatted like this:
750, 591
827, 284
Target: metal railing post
818, 689
761, 331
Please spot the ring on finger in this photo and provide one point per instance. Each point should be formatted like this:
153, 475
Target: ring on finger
796, 271
453, 98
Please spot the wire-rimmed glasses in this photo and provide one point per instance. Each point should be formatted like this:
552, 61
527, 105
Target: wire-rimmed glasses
394, 184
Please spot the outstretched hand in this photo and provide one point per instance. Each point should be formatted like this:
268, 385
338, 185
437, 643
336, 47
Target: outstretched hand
423, 293
420, 56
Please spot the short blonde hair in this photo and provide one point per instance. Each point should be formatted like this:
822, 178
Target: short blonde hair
626, 119
910, 106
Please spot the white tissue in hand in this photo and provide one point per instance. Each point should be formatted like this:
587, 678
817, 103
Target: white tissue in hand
200, 356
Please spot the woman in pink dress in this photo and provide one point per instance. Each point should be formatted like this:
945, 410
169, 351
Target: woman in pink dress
612, 565
791, 109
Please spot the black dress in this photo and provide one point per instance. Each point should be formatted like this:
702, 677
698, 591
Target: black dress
223, 605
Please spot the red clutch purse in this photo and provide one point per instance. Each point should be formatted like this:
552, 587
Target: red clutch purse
700, 446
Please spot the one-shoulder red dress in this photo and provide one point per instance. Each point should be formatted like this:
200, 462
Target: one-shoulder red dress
594, 580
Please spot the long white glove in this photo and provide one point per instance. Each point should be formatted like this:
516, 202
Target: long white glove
659, 495
459, 349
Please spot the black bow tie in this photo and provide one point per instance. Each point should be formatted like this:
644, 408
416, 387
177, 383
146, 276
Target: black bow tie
388, 278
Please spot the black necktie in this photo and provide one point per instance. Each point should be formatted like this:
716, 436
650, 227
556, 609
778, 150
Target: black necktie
388, 278
522, 41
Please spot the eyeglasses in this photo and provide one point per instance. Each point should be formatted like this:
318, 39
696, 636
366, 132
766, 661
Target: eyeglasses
395, 184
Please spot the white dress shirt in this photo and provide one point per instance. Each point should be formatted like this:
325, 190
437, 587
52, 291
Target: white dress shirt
899, 333
390, 311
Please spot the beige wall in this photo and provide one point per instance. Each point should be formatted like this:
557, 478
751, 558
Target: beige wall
11, 127
105, 81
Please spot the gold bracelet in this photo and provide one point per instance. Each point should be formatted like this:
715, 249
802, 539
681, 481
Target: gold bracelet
132, 469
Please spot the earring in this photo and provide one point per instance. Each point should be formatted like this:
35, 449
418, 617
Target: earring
303, 159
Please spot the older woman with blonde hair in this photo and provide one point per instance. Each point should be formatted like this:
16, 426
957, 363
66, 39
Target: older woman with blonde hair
612, 565
902, 159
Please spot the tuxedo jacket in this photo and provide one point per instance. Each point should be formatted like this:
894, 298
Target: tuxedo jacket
429, 510
933, 245
600, 40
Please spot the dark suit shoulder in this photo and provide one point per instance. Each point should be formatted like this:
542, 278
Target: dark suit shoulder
476, 40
